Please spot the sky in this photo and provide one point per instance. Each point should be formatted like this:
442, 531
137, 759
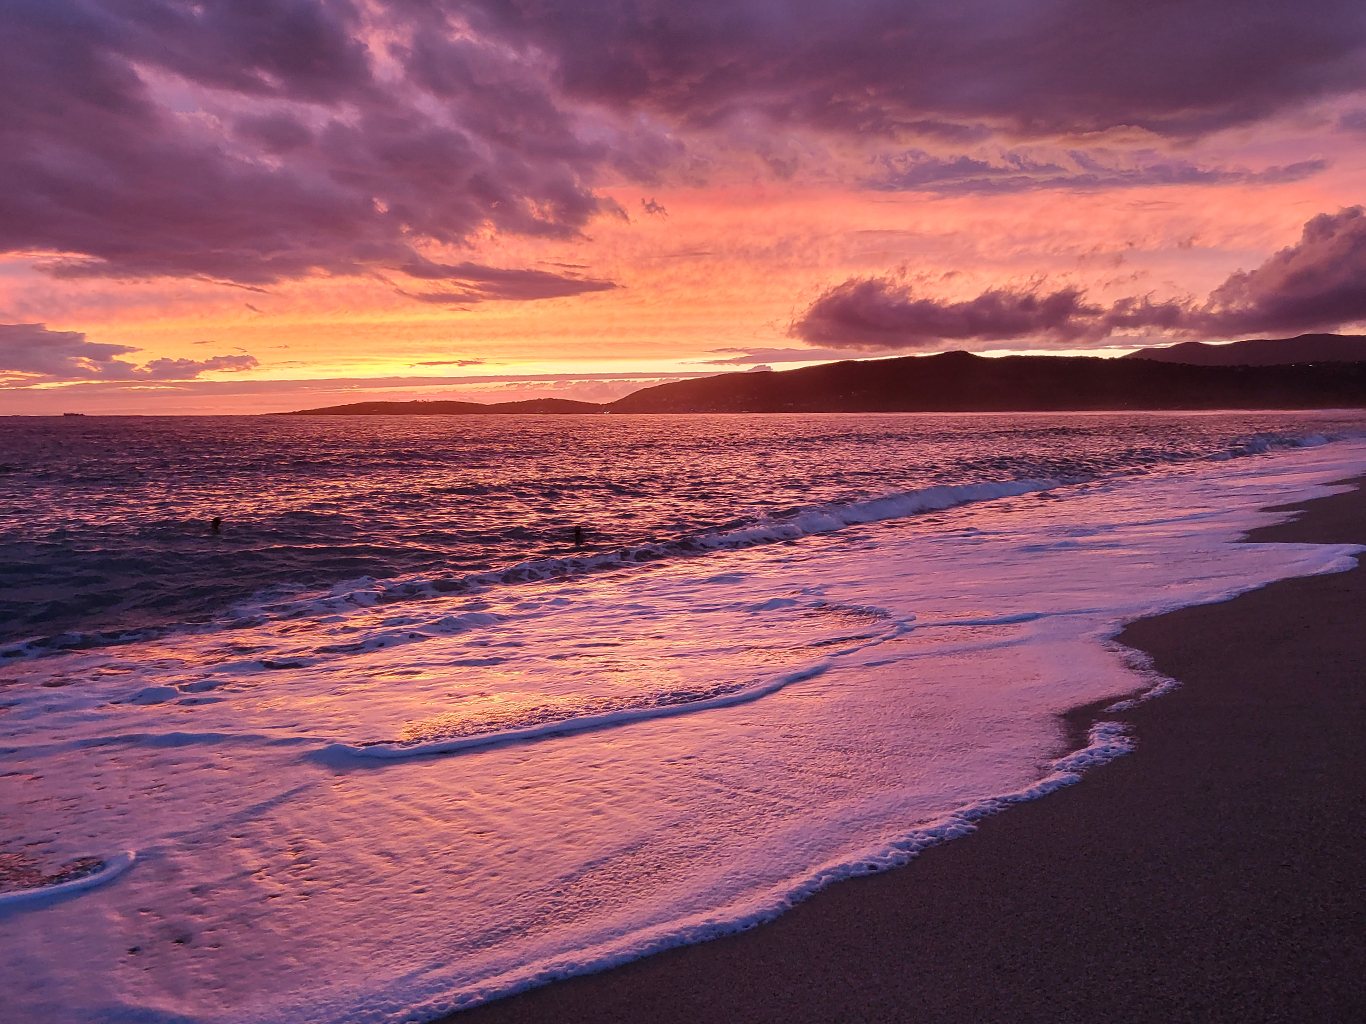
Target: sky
240, 206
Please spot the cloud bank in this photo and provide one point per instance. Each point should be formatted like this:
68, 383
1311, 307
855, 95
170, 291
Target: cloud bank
31, 354
1317, 284
469, 282
256, 143
282, 139
919, 171
944, 68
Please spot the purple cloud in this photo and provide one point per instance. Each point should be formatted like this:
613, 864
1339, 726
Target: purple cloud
189, 369
941, 68
475, 283
262, 142
871, 313
1317, 284
917, 170
1353, 121
300, 159
30, 353
1320, 282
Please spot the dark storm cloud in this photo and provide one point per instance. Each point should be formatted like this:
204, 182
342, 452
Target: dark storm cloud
918, 171
1319, 283
873, 313
1179, 68
294, 157
31, 353
257, 142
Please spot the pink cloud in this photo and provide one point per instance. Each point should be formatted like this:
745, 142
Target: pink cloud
30, 353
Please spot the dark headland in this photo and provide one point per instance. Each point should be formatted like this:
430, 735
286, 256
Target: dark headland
533, 407
1215, 874
960, 382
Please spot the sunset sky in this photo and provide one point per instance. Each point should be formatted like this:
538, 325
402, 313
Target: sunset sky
231, 206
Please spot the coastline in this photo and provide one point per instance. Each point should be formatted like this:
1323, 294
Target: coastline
1217, 872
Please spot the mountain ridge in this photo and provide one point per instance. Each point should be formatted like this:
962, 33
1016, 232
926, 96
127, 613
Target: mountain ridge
956, 382
442, 407
1307, 348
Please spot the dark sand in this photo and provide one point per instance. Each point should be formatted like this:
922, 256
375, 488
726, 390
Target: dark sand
1217, 873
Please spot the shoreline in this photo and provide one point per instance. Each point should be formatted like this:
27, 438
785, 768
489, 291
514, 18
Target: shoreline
1217, 872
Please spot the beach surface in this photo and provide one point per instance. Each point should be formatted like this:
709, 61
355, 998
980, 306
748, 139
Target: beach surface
1216, 873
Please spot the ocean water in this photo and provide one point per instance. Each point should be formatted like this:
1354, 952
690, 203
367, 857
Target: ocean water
104, 522
389, 744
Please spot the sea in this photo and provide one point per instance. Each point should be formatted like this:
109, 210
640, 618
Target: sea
370, 719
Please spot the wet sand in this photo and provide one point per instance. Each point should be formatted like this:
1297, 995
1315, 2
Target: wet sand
1217, 873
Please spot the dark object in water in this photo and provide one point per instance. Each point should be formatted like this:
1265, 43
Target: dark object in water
578, 536
216, 524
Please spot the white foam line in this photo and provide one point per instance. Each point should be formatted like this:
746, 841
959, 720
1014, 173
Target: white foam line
1141, 664
1105, 742
113, 867
570, 726
1000, 620
588, 723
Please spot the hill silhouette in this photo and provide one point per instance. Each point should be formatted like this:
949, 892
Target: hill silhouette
959, 382
534, 406
1306, 348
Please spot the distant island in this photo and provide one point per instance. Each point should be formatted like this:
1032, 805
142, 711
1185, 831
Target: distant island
1182, 377
535, 407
